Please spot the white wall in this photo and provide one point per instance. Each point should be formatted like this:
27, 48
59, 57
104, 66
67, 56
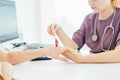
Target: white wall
67, 13
28, 14
34, 16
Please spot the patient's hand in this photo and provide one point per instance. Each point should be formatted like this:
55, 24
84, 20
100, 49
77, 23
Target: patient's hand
72, 55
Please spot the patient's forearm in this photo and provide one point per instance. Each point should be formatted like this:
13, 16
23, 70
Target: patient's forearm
19, 57
6, 69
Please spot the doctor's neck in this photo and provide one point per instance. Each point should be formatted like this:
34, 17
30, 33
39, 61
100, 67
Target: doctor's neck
106, 13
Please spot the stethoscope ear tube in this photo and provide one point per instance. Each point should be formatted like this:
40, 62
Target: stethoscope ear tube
108, 27
95, 36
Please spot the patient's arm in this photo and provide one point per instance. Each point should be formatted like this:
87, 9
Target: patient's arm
6, 71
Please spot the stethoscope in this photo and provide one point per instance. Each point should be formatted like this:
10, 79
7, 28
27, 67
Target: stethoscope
95, 36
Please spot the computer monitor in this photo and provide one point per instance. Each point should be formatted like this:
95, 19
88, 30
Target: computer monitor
8, 21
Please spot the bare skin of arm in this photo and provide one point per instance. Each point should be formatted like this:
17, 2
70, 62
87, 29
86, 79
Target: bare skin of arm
112, 56
55, 29
22, 56
1, 78
7, 70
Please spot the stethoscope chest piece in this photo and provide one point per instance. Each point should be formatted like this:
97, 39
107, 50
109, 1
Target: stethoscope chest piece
94, 37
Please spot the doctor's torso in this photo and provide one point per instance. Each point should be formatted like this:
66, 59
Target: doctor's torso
87, 30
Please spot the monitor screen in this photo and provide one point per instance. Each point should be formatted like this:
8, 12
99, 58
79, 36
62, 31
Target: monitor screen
8, 21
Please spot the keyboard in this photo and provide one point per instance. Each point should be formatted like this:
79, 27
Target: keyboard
32, 46
41, 58
36, 46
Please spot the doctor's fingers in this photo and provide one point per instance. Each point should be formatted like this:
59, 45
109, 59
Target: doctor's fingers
62, 58
52, 29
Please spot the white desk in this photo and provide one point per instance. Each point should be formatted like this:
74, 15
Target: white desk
58, 70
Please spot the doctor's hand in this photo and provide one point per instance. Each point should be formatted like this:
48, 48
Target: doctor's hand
52, 29
72, 55
56, 53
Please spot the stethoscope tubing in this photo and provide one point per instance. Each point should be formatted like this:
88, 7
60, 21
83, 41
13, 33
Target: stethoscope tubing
105, 30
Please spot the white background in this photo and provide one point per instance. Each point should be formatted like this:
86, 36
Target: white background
34, 16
